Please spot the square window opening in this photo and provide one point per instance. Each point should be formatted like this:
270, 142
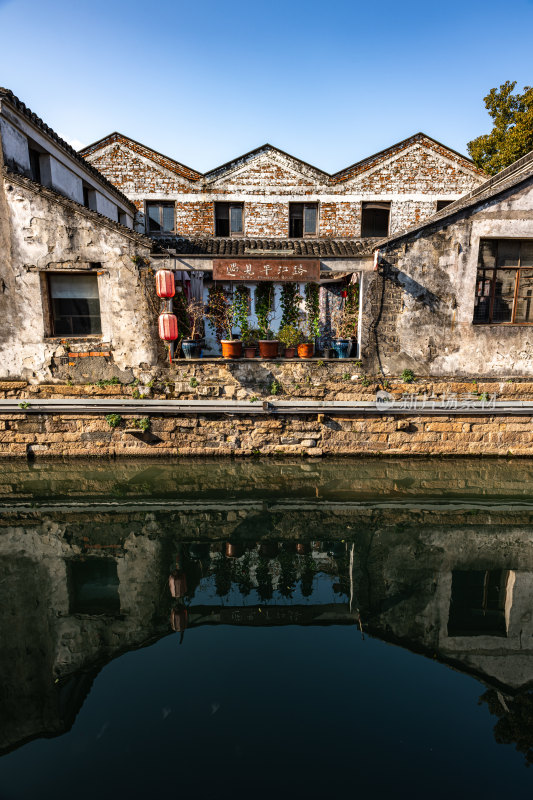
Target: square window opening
74, 305
375, 220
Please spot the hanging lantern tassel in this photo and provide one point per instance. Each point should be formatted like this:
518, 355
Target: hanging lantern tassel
165, 284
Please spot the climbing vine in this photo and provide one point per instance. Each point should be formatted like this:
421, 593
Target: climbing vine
289, 305
264, 306
312, 309
241, 301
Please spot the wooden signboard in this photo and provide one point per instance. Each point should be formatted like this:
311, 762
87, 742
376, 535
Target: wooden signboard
265, 269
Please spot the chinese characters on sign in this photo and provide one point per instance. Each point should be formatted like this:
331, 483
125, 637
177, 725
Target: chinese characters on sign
262, 269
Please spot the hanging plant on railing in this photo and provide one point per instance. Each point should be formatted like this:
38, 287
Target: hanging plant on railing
290, 298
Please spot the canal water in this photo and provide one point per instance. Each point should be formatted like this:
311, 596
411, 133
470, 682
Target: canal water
266, 629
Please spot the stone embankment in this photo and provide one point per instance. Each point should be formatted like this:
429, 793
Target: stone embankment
35, 431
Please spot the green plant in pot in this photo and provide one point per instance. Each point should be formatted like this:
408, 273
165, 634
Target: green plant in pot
221, 316
249, 341
195, 311
306, 347
264, 310
290, 336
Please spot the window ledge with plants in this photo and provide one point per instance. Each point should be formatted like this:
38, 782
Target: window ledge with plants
300, 334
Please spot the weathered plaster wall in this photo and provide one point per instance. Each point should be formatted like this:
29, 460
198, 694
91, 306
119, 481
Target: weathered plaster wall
44, 232
418, 312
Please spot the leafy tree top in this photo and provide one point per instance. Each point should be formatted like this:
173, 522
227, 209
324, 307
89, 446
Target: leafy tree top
512, 134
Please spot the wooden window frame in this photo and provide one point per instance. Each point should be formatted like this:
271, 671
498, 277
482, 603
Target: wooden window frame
48, 308
161, 203
304, 204
230, 205
518, 268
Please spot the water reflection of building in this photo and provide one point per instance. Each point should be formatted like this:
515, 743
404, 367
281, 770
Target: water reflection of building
80, 592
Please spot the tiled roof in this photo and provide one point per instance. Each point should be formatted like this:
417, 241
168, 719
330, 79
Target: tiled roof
509, 177
218, 246
7, 94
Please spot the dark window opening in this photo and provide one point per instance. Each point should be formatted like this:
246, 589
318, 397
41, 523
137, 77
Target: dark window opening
504, 282
477, 603
443, 203
229, 219
160, 217
35, 165
75, 305
303, 219
93, 586
375, 220
86, 196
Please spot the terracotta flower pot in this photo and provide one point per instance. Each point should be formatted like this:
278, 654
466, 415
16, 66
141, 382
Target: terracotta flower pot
306, 350
268, 348
231, 348
249, 352
290, 352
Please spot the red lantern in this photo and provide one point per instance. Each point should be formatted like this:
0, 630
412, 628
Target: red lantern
344, 293
164, 283
168, 327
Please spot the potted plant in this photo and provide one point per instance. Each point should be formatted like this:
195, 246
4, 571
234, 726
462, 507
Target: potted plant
221, 315
249, 341
345, 322
195, 310
264, 310
306, 348
290, 336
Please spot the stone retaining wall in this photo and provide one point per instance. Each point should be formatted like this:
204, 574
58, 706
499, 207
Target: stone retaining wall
342, 380
57, 435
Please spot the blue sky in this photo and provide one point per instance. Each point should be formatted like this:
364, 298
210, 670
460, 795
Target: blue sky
203, 82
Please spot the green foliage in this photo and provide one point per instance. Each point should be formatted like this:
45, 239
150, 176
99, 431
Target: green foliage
24, 404
275, 387
365, 381
254, 399
108, 382
512, 133
289, 304
264, 307
346, 376
312, 309
320, 363
241, 302
113, 420
136, 394
143, 423
193, 383
407, 376
484, 396
289, 335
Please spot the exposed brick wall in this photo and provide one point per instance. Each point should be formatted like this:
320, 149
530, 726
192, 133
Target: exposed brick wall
412, 177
